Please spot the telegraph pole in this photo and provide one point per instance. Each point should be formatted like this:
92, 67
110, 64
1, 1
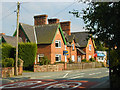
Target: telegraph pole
16, 65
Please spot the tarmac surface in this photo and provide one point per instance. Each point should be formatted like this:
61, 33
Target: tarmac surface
88, 78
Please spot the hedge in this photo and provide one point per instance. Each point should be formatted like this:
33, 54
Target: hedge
27, 52
8, 62
7, 51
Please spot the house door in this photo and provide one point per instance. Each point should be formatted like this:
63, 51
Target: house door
79, 58
73, 58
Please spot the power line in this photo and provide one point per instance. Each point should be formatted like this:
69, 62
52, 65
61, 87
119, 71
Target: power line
11, 8
64, 9
25, 9
6, 16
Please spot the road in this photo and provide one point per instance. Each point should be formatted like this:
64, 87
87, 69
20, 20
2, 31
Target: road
69, 78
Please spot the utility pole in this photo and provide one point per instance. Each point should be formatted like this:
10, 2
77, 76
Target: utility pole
16, 65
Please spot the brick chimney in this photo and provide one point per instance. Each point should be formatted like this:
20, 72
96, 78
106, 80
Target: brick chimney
66, 27
40, 19
2, 33
53, 21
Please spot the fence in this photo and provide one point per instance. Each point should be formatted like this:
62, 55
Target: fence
60, 67
84, 65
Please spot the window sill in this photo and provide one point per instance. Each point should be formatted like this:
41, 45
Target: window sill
57, 47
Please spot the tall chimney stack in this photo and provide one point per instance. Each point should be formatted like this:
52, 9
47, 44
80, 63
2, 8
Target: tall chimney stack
53, 21
66, 27
40, 19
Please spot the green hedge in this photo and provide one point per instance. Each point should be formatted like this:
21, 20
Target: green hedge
92, 60
44, 61
8, 62
27, 52
7, 51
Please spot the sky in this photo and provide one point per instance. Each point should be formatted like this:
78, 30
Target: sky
29, 9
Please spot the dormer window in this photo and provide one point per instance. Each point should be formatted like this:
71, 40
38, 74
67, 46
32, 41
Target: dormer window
73, 47
89, 47
58, 44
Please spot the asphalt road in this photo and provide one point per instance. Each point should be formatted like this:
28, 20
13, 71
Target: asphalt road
96, 74
69, 78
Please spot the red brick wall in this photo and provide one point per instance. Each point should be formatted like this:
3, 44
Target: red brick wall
40, 19
53, 21
50, 50
55, 50
44, 49
72, 52
66, 27
22, 35
88, 52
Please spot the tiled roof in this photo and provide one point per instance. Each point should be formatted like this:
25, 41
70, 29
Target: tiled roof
11, 40
45, 33
81, 51
81, 38
29, 30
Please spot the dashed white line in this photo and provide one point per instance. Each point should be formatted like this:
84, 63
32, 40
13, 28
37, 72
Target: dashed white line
107, 71
98, 72
76, 77
65, 75
92, 74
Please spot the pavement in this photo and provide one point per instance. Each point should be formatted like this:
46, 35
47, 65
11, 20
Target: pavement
103, 83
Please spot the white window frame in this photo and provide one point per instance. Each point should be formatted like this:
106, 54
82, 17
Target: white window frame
40, 55
59, 43
90, 56
73, 47
90, 47
59, 56
73, 59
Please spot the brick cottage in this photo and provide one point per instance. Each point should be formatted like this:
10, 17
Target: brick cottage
55, 39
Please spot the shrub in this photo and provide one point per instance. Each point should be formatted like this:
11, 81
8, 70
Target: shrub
8, 62
7, 51
70, 61
27, 52
44, 61
92, 60
59, 62
83, 60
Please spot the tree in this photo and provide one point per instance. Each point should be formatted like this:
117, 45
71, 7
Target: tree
103, 20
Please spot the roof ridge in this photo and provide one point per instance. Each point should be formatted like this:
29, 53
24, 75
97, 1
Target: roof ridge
46, 25
81, 32
27, 24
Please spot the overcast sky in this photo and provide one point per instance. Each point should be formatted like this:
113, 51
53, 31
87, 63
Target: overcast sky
53, 9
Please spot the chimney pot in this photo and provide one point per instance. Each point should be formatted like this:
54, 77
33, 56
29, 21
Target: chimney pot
53, 21
40, 19
2, 33
66, 27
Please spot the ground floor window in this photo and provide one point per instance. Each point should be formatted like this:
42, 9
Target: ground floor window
90, 56
58, 57
40, 56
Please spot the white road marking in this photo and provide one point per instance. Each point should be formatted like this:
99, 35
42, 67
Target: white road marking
92, 74
98, 72
67, 71
107, 71
20, 84
76, 77
44, 84
65, 75
46, 76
